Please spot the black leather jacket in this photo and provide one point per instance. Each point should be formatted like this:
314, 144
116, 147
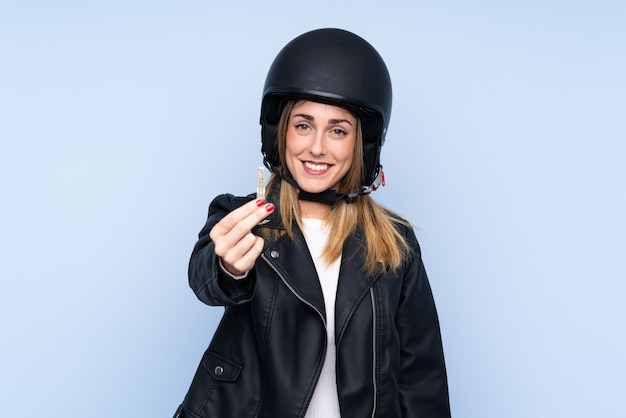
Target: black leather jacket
267, 352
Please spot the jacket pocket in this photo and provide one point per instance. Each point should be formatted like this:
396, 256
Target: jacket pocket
213, 372
220, 368
182, 413
228, 380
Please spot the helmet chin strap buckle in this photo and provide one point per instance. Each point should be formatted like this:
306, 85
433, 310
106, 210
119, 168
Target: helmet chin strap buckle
379, 180
351, 197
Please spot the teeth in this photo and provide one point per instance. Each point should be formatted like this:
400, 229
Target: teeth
316, 167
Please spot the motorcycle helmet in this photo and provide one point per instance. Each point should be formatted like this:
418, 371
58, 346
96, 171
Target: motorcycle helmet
336, 67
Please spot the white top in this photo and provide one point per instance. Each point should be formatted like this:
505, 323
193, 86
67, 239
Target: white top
325, 402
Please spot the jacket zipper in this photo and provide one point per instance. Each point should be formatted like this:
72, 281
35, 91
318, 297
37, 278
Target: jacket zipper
373, 349
296, 294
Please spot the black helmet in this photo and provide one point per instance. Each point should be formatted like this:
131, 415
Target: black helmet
337, 67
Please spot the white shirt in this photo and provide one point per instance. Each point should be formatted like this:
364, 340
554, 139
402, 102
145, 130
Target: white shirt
325, 402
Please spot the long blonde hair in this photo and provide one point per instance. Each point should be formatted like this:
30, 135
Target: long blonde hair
385, 247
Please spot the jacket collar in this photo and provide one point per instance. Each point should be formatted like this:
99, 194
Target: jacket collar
273, 196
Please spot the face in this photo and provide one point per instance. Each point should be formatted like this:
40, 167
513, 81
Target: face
320, 143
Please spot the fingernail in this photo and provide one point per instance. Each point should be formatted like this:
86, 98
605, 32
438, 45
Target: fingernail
260, 202
269, 207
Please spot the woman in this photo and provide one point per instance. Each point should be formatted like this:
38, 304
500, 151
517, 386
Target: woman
329, 312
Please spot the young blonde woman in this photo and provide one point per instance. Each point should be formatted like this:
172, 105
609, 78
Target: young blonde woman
329, 312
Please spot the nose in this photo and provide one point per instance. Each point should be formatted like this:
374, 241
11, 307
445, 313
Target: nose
318, 144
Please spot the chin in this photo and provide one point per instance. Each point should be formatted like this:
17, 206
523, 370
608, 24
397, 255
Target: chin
314, 189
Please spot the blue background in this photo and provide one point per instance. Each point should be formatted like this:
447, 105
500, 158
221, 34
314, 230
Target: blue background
120, 121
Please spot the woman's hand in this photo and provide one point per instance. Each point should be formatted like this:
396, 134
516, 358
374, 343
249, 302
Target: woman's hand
235, 244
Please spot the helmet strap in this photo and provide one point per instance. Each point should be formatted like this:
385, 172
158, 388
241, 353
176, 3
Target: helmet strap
328, 197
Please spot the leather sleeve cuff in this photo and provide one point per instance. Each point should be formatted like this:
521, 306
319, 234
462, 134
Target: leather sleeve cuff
237, 288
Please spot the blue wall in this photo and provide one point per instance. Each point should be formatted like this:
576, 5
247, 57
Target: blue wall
120, 122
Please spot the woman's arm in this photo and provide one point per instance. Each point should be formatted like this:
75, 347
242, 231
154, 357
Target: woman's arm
422, 381
227, 237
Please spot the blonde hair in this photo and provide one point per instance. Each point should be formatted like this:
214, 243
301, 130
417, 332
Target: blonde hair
385, 247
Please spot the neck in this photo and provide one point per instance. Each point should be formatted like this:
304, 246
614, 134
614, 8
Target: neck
313, 210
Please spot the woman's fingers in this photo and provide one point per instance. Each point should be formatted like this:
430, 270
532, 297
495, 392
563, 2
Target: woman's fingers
243, 219
242, 258
234, 242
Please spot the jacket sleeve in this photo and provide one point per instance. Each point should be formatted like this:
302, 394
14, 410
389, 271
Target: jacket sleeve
422, 382
207, 279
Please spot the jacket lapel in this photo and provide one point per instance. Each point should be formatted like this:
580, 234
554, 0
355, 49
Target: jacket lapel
296, 268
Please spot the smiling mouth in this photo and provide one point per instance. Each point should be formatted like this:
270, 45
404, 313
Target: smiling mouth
316, 167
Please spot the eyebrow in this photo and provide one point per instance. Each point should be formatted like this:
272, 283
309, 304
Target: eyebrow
330, 121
